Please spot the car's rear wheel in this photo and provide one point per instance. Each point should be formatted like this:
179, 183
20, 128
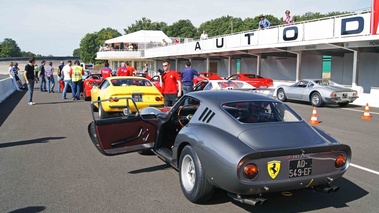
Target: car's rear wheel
316, 99
281, 95
193, 182
102, 113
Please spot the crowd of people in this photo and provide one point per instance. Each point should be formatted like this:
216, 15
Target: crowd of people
44, 74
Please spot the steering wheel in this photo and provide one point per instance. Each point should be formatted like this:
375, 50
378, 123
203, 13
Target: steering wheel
183, 118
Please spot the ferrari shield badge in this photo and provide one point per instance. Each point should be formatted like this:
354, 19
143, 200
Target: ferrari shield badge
273, 168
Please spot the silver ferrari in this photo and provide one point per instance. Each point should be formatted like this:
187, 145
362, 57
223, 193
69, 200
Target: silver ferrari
317, 92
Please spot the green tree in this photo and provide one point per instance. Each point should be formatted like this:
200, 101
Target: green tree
89, 45
221, 26
9, 48
27, 54
105, 34
146, 24
89, 48
182, 29
76, 52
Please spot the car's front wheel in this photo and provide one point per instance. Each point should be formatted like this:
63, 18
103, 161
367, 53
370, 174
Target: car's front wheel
316, 99
281, 95
193, 182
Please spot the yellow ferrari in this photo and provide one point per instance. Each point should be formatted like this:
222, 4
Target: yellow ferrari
110, 96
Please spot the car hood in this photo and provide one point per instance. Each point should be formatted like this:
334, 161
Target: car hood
287, 135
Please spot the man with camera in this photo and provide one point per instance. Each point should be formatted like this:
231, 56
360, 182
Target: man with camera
171, 83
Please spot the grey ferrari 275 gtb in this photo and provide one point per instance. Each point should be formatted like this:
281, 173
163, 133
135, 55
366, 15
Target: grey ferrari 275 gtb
243, 143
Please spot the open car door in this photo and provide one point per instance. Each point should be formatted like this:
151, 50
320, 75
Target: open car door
123, 132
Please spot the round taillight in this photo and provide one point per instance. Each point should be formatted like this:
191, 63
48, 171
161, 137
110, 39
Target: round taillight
250, 171
340, 161
158, 98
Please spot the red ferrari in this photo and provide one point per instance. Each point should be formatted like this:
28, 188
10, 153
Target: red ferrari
253, 79
209, 75
89, 82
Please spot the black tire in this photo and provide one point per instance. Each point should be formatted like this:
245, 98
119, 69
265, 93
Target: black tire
193, 182
316, 99
86, 98
94, 108
102, 113
281, 95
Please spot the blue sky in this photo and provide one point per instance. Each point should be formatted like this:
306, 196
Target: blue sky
55, 27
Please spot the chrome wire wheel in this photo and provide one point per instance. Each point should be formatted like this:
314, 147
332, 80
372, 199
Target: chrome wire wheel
188, 173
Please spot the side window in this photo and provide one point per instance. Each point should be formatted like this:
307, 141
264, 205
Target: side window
208, 86
105, 85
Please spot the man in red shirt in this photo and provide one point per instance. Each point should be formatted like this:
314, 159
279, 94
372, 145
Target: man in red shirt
122, 71
105, 71
131, 70
172, 84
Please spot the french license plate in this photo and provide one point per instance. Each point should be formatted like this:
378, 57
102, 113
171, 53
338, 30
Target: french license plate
137, 97
300, 168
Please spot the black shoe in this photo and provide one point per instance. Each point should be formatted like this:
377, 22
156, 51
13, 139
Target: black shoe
49, 91
52, 91
45, 90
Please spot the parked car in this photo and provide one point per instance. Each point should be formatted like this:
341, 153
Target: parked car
88, 83
317, 92
244, 143
86, 74
222, 85
253, 79
112, 89
205, 76
155, 81
232, 85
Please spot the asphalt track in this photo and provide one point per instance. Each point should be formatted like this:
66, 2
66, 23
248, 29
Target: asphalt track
49, 164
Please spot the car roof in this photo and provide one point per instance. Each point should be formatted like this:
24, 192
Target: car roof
125, 77
222, 96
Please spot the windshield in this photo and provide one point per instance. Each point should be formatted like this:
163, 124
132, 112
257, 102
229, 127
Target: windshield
234, 85
130, 82
260, 111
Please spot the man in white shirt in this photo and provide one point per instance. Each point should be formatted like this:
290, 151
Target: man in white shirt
66, 78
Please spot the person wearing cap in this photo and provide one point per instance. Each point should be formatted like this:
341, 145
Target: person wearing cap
263, 23
288, 19
76, 74
59, 75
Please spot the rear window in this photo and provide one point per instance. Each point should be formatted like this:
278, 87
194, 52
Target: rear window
130, 82
260, 111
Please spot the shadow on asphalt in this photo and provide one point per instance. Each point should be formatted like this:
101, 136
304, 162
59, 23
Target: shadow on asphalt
9, 104
30, 209
301, 200
150, 169
28, 142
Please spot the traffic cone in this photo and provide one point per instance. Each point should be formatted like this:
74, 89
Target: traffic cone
313, 120
366, 114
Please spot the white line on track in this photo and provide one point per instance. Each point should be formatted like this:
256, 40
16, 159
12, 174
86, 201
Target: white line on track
356, 110
364, 168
